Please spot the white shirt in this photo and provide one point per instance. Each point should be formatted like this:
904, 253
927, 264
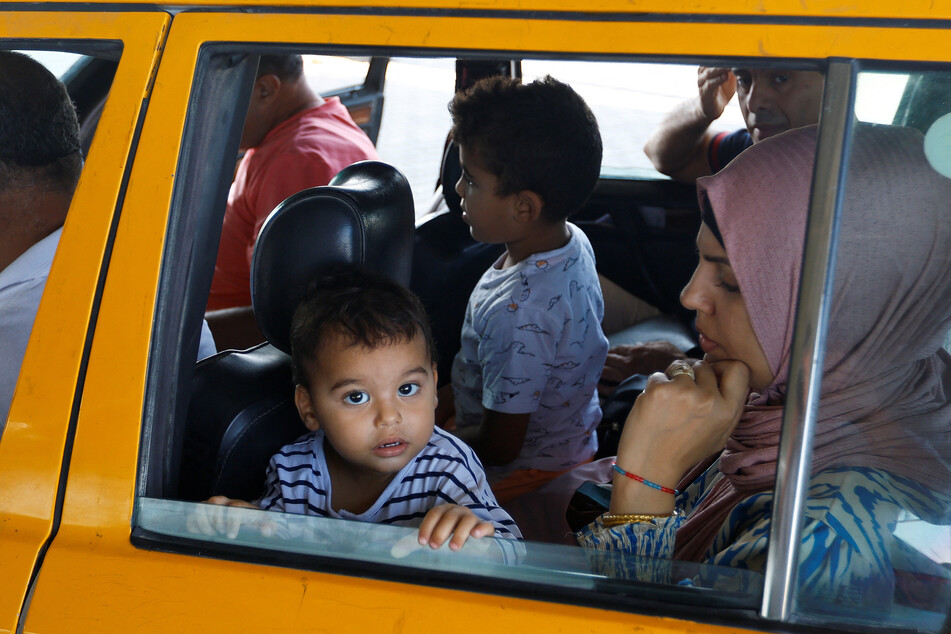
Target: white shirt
532, 344
21, 287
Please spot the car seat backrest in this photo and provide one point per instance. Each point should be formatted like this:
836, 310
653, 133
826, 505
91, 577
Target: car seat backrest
242, 411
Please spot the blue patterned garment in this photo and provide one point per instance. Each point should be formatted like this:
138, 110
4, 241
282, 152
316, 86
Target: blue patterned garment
849, 553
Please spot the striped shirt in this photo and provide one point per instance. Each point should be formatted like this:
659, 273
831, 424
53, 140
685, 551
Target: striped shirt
446, 471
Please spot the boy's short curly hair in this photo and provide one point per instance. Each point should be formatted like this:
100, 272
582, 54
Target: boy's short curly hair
366, 308
540, 137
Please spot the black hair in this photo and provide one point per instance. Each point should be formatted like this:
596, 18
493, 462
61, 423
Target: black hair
706, 215
539, 137
39, 131
364, 307
286, 67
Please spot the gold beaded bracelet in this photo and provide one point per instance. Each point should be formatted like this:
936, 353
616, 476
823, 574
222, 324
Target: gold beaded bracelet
609, 520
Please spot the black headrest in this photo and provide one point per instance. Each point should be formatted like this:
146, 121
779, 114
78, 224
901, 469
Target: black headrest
365, 216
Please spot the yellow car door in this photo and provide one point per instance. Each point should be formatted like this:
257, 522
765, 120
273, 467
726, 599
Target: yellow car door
34, 454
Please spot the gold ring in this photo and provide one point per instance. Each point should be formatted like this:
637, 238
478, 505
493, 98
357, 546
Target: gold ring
680, 367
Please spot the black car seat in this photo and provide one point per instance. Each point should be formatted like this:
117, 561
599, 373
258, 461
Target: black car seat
241, 410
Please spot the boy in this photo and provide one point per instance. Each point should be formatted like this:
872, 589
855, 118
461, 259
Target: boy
364, 366
532, 348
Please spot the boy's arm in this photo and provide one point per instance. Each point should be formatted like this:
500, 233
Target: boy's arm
498, 439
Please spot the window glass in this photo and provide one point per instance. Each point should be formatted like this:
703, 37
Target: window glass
878, 542
878, 96
629, 101
52, 160
416, 122
488, 560
58, 62
197, 456
328, 74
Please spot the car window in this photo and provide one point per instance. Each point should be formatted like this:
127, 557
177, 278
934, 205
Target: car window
880, 494
629, 98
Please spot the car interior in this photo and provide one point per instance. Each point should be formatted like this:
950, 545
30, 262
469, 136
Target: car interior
235, 409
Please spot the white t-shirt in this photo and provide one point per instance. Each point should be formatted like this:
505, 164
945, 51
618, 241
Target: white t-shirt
532, 344
21, 287
446, 471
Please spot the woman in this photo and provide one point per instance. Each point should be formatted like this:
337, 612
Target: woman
883, 432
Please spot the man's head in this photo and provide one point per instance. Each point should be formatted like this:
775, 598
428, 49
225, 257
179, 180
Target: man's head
39, 132
40, 155
539, 137
280, 90
773, 101
365, 369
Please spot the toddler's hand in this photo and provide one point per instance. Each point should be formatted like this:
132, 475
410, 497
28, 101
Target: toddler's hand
451, 519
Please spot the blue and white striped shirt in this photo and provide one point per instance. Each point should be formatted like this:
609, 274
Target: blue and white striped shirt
446, 471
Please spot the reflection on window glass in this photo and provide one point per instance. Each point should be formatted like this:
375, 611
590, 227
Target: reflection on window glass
879, 505
385, 545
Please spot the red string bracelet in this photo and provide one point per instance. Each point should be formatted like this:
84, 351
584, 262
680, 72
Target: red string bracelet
634, 476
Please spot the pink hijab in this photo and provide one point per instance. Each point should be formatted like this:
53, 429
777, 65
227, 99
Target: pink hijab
886, 382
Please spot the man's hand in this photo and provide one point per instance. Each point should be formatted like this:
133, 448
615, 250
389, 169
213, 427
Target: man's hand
641, 358
717, 86
451, 519
679, 145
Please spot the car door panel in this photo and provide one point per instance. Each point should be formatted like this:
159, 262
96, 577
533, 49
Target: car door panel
38, 431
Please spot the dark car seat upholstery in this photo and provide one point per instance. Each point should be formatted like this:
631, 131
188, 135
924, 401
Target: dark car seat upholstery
242, 410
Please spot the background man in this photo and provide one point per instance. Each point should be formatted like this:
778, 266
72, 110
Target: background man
40, 163
294, 140
771, 100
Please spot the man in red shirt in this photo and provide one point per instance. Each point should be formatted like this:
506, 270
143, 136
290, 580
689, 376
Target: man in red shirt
294, 140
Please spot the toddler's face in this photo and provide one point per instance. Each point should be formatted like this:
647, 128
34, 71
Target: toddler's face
375, 405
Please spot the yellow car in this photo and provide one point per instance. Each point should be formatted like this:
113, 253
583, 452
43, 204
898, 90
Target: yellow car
95, 492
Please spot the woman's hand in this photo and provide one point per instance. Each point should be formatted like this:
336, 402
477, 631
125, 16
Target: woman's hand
674, 424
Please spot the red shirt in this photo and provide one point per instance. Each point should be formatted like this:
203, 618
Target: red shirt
304, 151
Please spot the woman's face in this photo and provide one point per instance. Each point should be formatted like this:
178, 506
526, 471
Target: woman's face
722, 320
